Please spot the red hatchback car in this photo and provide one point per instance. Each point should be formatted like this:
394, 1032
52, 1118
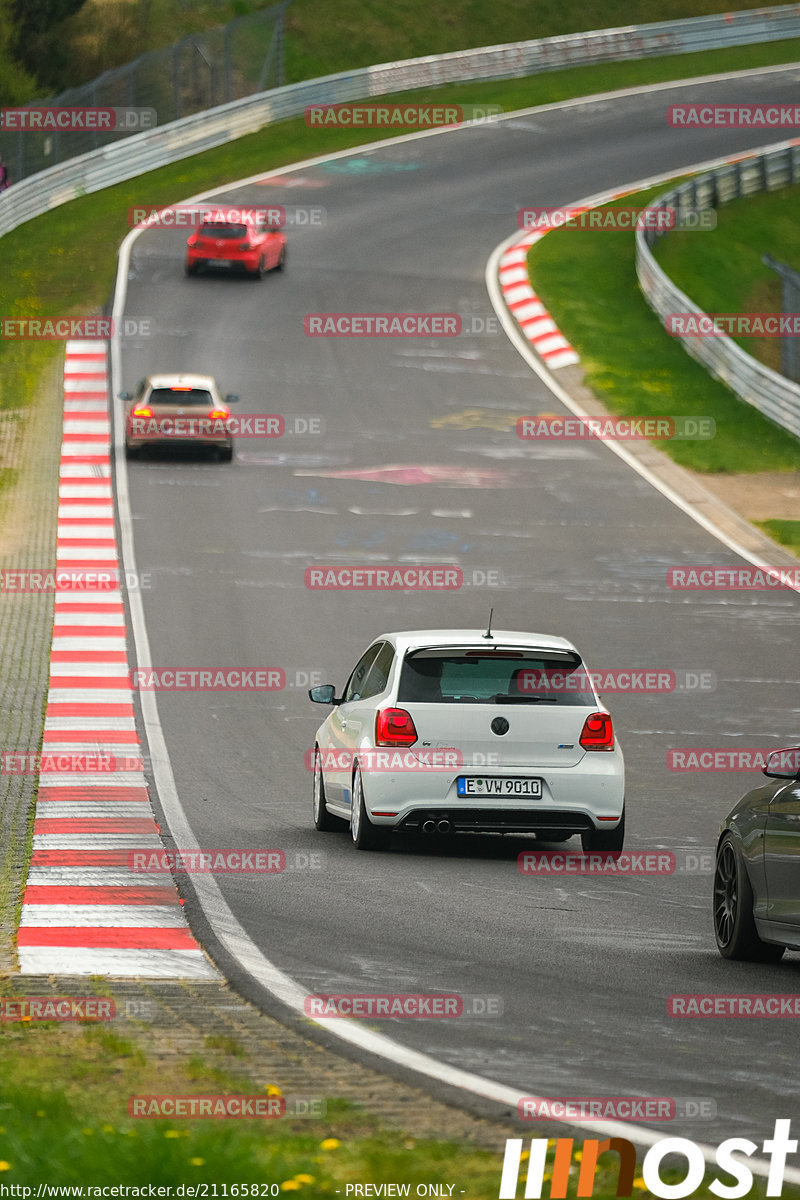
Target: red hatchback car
252, 248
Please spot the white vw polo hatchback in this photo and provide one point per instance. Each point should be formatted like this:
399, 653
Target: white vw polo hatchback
455, 730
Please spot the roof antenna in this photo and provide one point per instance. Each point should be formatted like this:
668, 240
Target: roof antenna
488, 633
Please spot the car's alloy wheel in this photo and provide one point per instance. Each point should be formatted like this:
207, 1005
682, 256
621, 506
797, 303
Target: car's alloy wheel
365, 835
734, 924
322, 818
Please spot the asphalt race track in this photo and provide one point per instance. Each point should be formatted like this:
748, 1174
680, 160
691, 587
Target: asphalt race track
580, 545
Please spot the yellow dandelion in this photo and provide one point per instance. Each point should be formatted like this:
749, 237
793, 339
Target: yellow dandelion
25, 1020
109, 1129
4, 1166
330, 1144
173, 1133
290, 1185
197, 1162
2, 1128
640, 1184
271, 1090
304, 1178
578, 1156
525, 1155
41, 1113
409, 1143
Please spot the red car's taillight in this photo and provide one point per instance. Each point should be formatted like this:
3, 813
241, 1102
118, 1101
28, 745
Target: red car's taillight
219, 414
394, 727
142, 412
597, 732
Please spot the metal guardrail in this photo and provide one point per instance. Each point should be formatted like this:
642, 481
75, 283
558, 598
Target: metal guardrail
771, 393
202, 131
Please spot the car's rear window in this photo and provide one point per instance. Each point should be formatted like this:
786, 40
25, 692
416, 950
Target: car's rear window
503, 677
183, 398
223, 231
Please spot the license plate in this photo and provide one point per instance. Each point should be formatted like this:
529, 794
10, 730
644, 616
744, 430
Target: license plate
221, 262
498, 786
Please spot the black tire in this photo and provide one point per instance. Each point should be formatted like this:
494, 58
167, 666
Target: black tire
260, 270
734, 925
281, 263
132, 452
191, 268
610, 841
365, 835
225, 453
323, 820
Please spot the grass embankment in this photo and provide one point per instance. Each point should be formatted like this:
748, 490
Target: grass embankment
587, 279
63, 1121
325, 36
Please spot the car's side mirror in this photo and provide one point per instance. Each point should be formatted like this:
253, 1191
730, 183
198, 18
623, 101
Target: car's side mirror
325, 693
124, 396
231, 399
783, 764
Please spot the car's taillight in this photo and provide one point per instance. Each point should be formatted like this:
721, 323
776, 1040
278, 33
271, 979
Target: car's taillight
597, 732
394, 727
219, 414
192, 241
142, 412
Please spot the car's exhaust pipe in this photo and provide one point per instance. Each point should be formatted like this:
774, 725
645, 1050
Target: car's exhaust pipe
444, 826
429, 826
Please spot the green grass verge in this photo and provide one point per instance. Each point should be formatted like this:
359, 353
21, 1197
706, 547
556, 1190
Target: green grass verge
724, 273
64, 1121
64, 261
325, 36
785, 532
587, 280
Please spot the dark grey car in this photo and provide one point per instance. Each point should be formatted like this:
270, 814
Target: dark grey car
757, 873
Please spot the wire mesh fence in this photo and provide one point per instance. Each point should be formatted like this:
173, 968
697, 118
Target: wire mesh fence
200, 71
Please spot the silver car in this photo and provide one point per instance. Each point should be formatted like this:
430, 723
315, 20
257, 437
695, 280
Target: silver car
453, 730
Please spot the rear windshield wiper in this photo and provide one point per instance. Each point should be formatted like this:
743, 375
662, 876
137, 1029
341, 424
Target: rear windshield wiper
504, 698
